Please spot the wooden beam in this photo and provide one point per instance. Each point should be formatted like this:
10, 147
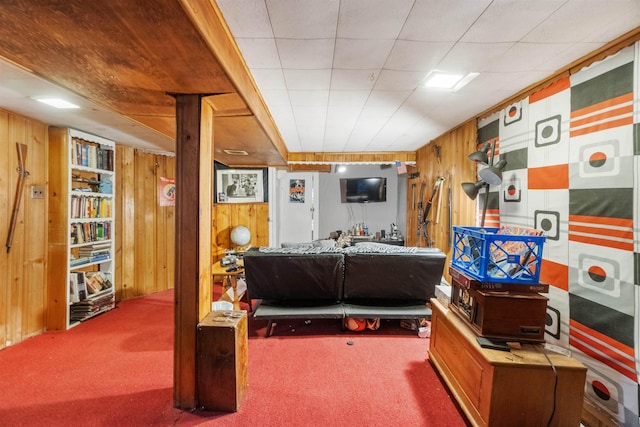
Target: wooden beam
191, 196
208, 20
309, 168
205, 258
361, 157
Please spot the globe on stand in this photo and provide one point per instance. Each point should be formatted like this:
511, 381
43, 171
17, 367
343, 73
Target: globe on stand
240, 236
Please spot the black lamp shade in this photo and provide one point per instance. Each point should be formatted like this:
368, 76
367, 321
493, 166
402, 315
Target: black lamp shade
492, 175
472, 188
481, 156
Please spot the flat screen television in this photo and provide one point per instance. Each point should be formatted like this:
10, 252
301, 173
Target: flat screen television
363, 190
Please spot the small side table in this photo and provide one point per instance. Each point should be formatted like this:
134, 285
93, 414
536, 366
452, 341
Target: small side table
222, 360
230, 277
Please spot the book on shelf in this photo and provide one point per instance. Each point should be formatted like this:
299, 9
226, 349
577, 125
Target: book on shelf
100, 257
95, 252
79, 261
85, 309
86, 206
97, 281
73, 288
84, 153
90, 232
78, 279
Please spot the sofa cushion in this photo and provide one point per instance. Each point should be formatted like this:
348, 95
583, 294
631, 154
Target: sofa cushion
294, 274
392, 275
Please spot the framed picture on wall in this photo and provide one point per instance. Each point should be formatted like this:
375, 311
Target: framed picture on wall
296, 191
239, 185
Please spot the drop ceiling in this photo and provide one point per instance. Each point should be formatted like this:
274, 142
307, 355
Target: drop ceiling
335, 75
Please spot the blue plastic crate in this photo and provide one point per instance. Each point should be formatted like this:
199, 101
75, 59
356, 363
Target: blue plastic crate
488, 256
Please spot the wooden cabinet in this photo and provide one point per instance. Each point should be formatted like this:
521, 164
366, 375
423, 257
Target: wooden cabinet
221, 366
81, 227
524, 387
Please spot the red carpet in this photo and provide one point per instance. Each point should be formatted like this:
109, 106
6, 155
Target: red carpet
117, 369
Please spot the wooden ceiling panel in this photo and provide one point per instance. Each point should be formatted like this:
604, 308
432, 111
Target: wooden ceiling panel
126, 55
130, 55
244, 133
163, 124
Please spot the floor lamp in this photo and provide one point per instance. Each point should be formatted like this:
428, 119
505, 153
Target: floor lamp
491, 175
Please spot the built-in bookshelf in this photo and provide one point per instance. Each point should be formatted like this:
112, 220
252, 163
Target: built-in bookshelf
81, 227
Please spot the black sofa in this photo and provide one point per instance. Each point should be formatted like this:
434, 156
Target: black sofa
368, 281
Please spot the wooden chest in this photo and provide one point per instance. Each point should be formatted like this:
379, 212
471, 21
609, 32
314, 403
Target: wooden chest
221, 365
526, 387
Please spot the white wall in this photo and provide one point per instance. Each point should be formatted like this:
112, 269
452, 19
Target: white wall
335, 215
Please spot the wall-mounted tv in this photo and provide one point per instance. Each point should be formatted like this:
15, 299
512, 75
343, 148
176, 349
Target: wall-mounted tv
363, 190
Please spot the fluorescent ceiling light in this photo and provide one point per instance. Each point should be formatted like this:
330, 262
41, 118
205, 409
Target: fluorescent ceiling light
57, 102
463, 82
443, 80
454, 82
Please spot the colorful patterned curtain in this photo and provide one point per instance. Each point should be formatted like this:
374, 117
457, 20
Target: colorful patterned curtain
573, 171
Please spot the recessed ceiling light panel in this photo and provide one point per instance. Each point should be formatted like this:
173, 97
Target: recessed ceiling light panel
57, 103
236, 152
447, 81
442, 80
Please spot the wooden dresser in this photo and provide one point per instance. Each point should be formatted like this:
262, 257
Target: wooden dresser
498, 388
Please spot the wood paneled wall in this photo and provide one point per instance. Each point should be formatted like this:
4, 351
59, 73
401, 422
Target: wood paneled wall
23, 271
144, 230
445, 157
254, 216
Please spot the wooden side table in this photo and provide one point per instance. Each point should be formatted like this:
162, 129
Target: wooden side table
222, 374
230, 277
497, 388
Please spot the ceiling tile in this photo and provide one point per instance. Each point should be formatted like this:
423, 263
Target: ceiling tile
416, 56
588, 21
275, 98
397, 125
530, 56
342, 118
353, 79
509, 20
424, 99
399, 80
309, 98
303, 19
307, 79
269, 79
335, 143
472, 57
259, 53
387, 100
441, 20
313, 54
361, 54
348, 98
310, 116
246, 18
372, 19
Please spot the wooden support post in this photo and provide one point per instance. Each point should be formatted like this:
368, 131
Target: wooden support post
194, 166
